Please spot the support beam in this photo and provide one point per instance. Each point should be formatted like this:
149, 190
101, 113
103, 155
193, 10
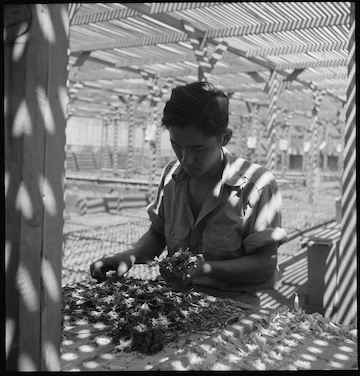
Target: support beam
292, 76
274, 90
346, 294
199, 45
256, 77
35, 67
157, 8
84, 56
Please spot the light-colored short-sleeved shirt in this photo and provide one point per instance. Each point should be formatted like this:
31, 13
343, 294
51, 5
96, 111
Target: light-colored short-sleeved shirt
239, 215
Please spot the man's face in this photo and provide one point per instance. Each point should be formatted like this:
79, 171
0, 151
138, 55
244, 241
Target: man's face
196, 152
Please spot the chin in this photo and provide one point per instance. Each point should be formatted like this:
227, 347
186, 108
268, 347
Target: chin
195, 173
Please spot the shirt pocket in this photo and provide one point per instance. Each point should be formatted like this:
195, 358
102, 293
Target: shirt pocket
177, 236
221, 243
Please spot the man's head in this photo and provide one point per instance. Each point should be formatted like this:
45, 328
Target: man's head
196, 116
198, 105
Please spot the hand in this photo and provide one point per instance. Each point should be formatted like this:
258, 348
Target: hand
183, 279
172, 277
120, 263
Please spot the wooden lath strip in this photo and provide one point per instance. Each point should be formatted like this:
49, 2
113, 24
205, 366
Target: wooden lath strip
250, 68
115, 14
95, 63
163, 7
118, 14
107, 75
319, 46
274, 27
297, 48
150, 40
313, 64
73, 8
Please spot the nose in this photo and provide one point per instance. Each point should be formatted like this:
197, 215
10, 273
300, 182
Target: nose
187, 157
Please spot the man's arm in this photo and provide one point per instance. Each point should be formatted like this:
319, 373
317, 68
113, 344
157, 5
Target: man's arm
151, 244
255, 267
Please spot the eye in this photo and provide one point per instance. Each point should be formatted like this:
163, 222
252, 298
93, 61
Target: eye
198, 148
175, 146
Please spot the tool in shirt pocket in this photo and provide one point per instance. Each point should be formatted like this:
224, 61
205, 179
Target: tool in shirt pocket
248, 195
243, 199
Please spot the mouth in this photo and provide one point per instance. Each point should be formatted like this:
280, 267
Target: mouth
191, 170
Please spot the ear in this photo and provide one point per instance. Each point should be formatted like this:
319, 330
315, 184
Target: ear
226, 136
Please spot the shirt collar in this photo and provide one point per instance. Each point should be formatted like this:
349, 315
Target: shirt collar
234, 169
232, 174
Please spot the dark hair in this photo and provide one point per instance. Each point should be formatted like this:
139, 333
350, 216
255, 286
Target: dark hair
200, 105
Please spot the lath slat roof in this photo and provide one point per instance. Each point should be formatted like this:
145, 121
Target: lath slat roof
113, 41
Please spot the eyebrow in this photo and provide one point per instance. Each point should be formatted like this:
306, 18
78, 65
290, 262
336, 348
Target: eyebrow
192, 146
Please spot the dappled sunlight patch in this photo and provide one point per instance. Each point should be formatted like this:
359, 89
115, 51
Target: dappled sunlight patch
69, 356
26, 363
92, 364
289, 340
27, 288
107, 356
50, 281
86, 348
341, 356
23, 202
314, 350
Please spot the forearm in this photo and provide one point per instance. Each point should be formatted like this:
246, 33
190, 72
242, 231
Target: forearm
151, 244
255, 267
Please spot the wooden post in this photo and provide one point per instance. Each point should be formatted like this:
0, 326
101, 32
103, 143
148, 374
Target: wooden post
107, 147
155, 95
347, 267
154, 146
284, 142
243, 136
116, 123
273, 89
131, 109
131, 104
325, 149
35, 63
256, 131
103, 142
313, 152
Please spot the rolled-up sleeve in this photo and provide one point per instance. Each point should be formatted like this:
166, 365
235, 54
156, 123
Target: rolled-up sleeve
156, 209
263, 225
266, 210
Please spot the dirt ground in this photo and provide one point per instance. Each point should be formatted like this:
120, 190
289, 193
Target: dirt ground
298, 213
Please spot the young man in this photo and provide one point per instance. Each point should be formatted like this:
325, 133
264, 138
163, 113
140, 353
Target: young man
221, 206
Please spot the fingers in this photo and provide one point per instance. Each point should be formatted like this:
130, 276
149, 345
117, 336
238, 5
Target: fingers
99, 268
97, 271
173, 277
122, 268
